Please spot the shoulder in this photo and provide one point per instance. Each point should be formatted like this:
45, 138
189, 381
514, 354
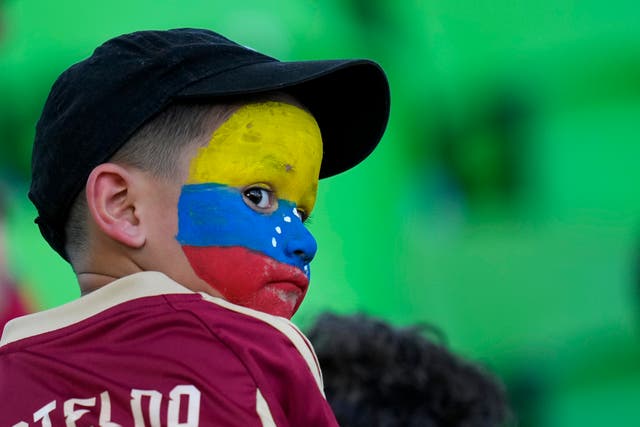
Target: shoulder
251, 334
275, 354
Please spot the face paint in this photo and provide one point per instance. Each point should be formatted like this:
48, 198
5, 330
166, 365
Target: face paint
254, 254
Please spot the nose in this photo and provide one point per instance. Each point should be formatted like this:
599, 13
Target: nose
302, 246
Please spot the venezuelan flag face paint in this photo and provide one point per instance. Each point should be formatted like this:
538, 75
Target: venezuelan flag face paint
241, 211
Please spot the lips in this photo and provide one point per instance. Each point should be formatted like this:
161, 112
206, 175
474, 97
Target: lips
250, 278
284, 274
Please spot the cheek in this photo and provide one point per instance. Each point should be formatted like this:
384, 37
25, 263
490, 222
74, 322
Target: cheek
214, 215
234, 271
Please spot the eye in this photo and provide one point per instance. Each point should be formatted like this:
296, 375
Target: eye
259, 197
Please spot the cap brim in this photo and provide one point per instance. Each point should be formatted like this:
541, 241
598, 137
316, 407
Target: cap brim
349, 99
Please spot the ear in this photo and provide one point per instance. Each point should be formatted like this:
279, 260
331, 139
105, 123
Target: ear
112, 204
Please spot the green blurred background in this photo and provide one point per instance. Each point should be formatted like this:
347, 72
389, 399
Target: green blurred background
502, 205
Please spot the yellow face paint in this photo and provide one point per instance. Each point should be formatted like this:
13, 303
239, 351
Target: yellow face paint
271, 143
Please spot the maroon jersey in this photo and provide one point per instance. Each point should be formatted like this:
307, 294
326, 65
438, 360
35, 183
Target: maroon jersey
145, 351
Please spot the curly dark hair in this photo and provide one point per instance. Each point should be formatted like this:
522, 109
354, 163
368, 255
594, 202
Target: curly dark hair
379, 376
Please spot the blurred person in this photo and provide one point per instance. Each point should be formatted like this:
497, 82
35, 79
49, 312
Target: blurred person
377, 375
12, 303
1, 19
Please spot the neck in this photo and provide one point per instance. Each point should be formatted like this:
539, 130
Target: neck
94, 272
90, 281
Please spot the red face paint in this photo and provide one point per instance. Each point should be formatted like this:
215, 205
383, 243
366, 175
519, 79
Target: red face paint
250, 278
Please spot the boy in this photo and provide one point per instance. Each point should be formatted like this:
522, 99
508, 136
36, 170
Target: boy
174, 171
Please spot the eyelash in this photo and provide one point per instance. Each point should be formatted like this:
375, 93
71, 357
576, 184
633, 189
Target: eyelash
249, 192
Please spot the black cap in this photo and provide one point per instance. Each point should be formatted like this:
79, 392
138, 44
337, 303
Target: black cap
96, 105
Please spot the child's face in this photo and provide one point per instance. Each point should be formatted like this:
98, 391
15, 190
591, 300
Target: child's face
242, 208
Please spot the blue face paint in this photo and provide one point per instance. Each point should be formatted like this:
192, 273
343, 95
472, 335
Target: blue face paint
215, 215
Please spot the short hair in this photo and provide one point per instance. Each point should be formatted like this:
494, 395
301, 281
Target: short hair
154, 148
376, 375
